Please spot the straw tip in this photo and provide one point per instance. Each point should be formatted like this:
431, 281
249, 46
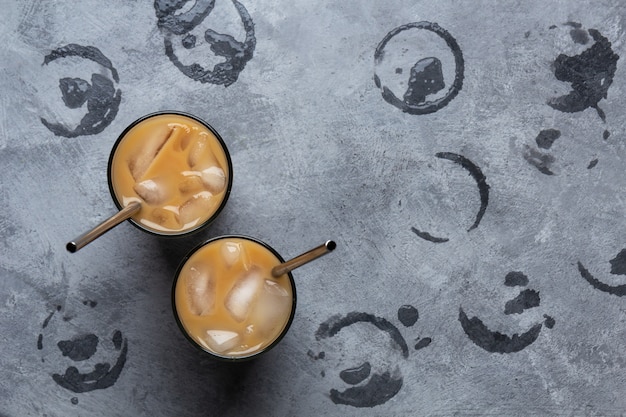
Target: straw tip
331, 245
71, 247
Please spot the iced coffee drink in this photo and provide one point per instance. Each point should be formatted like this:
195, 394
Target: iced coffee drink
177, 166
226, 300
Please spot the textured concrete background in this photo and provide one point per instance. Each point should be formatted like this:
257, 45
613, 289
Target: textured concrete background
524, 314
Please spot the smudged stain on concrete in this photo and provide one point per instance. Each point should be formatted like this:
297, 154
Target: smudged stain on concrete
427, 236
515, 279
578, 34
117, 340
546, 138
618, 264
315, 356
543, 162
408, 315
592, 163
422, 343
43, 326
590, 74
356, 375
381, 386
426, 77
101, 96
525, 300
79, 348
378, 390
47, 320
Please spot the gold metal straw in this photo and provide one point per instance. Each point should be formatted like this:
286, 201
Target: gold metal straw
103, 227
306, 257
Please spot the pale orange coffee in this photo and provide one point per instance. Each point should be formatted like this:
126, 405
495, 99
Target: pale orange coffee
176, 166
227, 302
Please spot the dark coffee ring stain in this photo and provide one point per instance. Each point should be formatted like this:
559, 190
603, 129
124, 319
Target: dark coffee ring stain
479, 177
103, 376
496, 342
88, 52
333, 325
618, 290
237, 54
428, 106
103, 100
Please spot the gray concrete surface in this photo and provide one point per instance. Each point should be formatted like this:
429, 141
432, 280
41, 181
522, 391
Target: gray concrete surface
469, 167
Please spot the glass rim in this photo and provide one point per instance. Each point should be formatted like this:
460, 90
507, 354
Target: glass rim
215, 355
227, 190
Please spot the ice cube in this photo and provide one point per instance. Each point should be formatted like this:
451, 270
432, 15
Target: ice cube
271, 309
200, 152
200, 284
233, 252
152, 191
214, 179
243, 293
139, 163
192, 135
221, 341
190, 183
162, 161
166, 216
196, 207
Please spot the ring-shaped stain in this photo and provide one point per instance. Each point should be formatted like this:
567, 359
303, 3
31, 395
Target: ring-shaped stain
102, 99
428, 67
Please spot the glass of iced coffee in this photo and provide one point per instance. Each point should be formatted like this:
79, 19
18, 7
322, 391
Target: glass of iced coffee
226, 301
177, 166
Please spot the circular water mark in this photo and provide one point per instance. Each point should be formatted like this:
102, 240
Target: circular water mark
418, 47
